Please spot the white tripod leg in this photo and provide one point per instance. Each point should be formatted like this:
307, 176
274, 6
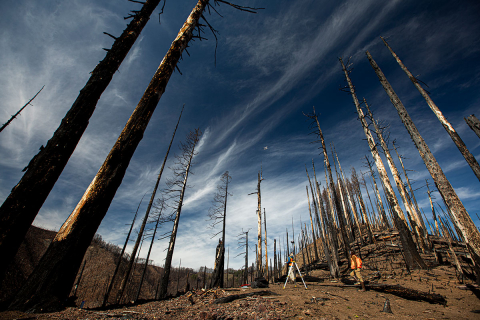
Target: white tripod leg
288, 275
301, 276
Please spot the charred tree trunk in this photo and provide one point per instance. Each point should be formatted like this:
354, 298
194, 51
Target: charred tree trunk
27, 197
55, 273
472, 162
469, 232
218, 214
412, 256
188, 150
473, 123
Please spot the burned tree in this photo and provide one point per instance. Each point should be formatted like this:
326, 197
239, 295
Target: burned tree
218, 215
243, 242
473, 123
472, 162
336, 200
412, 257
52, 279
27, 197
176, 191
259, 218
462, 219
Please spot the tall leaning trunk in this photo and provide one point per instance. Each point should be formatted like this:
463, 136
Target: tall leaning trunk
412, 257
463, 220
472, 162
50, 283
27, 197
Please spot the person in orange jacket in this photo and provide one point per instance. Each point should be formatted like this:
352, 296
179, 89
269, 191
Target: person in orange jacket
356, 265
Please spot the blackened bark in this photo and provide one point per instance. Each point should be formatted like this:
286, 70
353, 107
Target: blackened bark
52, 279
27, 197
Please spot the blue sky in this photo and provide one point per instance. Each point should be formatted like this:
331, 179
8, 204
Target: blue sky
271, 67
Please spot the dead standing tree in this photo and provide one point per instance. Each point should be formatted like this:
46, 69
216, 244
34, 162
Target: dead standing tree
176, 188
462, 219
412, 257
145, 218
472, 162
218, 215
52, 279
243, 242
340, 216
27, 197
259, 218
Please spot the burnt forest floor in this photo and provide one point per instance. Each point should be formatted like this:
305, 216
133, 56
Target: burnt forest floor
322, 300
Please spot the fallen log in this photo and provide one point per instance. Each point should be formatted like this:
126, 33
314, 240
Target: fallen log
243, 295
409, 294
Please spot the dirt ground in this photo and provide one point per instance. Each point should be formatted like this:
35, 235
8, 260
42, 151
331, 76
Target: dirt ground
322, 300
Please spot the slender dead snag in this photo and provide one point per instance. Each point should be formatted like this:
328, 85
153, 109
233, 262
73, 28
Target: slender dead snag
145, 218
311, 222
411, 254
350, 200
54, 274
259, 220
21, 109
380, 206
463, 220
27, 197
181, 172
411, 212
336, 200
356, 187
473, 123
472, 162
159, 217
409, 186
120, 258
266, 250
218, 214
437, 230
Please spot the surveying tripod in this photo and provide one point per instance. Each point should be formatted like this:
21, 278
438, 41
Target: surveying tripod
291, 269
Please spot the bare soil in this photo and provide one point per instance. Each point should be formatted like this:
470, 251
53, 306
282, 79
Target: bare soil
322, 300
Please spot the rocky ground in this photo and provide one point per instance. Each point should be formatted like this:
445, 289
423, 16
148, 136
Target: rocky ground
322, 300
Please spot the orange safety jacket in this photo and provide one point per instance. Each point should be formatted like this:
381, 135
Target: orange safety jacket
359, 263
